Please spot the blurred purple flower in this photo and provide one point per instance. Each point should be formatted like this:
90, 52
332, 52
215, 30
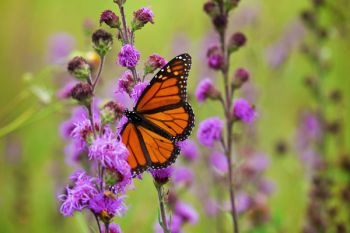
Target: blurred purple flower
256, 164
219, 162
277, 53
210, 130
186, 212
77, 197
113, 228
244, 111
206, 89
311, 159
65, 91
138, 90
266, 186
211, 207
189, 149
107, 205
60, 46
183, 175
243, 202
128, 56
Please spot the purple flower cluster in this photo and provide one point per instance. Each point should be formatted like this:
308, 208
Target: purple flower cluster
205, 90
209, 131
128, 56
244, 111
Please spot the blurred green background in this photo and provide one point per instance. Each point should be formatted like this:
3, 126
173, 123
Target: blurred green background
32, 168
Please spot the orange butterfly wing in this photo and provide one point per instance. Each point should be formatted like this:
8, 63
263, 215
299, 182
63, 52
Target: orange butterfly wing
166, 118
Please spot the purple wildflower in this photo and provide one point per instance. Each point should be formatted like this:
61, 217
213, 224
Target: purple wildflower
266, 186
210, 130
142, 17
161, 176
113, 228
241, 77
82, 133
154, 62
186, 212
219, 162
183, 175
138, 90
215, 58
244, 111
206, 89
126, 83
107, 205
110, 18
108, 150
78, 197
189, 149
128, 56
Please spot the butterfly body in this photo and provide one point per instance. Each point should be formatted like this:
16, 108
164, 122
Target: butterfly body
161, 117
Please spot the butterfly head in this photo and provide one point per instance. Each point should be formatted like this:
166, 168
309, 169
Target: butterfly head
133, 116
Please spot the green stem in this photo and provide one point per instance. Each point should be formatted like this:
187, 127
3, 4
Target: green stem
160, 191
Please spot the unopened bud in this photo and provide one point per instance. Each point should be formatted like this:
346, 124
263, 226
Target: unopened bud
241, 77
236, 41
110, 18
82, 92
141, 18
79, 68
102, 41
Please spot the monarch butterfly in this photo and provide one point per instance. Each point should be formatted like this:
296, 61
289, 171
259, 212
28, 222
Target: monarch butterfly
161, 117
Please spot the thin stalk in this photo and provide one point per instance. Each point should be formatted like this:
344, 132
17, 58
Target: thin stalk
160, 192
229, 121
98, 223
107, 227
98, 76
91, 118
122, 14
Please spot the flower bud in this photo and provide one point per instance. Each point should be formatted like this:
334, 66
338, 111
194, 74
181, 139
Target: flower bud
206, 89
236, 41
110, 18
82, 92
111, 112
309, 18
142, 17
154, 62
241, 76
216, 59
102, 41
243, 111
220, 22
161, 176
211, 8
79, 68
